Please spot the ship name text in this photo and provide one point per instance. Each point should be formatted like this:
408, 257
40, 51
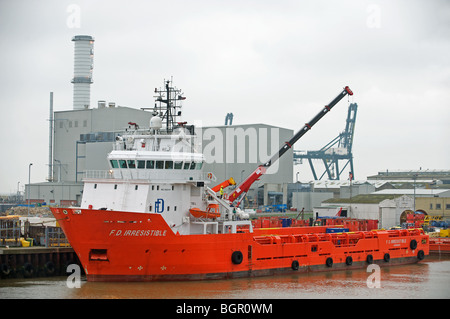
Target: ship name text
396, 242
138, 232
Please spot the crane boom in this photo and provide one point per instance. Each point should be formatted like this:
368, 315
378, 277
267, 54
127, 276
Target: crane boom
261, 169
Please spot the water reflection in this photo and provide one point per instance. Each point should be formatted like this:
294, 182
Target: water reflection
406, 281
430, 279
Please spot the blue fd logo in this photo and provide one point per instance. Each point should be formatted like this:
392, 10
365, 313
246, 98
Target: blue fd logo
159, 205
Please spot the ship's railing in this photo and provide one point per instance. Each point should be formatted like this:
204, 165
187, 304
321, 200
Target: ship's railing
100, 174
157, 175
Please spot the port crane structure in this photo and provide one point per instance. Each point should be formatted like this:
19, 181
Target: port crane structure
238, 194
336, 151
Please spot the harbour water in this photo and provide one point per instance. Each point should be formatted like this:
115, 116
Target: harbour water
427, 279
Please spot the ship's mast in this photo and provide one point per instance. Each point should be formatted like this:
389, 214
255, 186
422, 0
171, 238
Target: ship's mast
169, 108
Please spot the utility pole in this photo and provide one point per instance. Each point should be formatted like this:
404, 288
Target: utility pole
29, 185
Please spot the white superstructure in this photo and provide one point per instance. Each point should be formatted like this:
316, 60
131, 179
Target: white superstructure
148, 175
160, 170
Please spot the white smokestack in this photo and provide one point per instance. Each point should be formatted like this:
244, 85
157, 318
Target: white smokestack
83, 66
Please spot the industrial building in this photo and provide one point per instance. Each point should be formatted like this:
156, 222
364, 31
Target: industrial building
433, 202
434, 206
83, 137
430, 176
420, 192
236, 150
348, 189
387, 209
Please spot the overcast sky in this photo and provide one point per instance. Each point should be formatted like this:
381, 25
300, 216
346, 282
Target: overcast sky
273, 62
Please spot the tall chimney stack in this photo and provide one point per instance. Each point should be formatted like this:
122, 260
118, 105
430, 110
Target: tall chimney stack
83, 66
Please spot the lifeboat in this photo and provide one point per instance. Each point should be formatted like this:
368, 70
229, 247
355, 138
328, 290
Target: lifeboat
212, 211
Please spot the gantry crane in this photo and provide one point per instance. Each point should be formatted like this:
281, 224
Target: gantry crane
339, 149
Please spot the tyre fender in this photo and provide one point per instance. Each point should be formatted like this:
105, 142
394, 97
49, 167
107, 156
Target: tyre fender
237, 257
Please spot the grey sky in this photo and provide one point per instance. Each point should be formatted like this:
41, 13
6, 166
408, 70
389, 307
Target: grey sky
274, 62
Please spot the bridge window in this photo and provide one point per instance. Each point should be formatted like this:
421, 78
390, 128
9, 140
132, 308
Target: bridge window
159, 164
141, 164
123, 164
151, 164
169, 165
199, 165
178, 165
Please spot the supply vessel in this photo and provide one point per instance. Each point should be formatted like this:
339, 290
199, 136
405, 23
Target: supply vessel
156, 215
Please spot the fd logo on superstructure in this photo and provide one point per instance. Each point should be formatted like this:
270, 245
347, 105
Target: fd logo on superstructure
159, 205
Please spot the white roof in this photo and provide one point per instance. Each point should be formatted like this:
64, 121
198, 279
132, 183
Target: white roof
410, 191
417, 171
340, 183
376, 183
143, 155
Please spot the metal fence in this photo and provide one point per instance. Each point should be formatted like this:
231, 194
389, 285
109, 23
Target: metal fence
13, 232
55, 237
10, 228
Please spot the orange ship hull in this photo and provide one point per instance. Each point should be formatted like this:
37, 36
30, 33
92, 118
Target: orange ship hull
124, 246
440, 245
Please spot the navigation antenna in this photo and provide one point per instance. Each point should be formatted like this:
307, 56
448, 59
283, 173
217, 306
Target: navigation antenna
169, 106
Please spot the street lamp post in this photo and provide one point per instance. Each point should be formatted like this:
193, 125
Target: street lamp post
415, 178
29, 184
18, 193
